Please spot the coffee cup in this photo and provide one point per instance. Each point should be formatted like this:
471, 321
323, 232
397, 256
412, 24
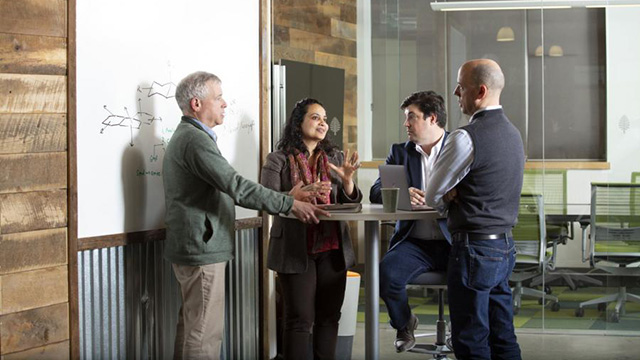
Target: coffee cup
390, 199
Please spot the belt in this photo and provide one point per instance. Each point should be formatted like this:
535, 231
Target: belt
476, 236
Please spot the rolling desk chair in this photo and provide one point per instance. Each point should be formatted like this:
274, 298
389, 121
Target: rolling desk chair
530, 237
552, 184
614, 240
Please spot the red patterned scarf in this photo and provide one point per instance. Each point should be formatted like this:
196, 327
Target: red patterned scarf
301, 170
323, 236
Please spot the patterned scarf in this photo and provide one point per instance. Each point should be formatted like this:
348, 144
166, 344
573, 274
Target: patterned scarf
301, 170
323, 236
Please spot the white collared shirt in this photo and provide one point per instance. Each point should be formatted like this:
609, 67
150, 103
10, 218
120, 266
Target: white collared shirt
427, 229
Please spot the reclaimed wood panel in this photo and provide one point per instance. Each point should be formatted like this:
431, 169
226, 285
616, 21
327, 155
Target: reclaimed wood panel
32, 211
328, 10
349, 12
34, 289
47, 352
33, 250
289, 53
280, 35
33, 172
344, 30
349, 64
34, 328
29, 54
302, 18
33, 93
32, 133
326, 44
34, 17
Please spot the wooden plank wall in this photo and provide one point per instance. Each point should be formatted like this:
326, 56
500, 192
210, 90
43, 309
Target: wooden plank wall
321, 33
34, 288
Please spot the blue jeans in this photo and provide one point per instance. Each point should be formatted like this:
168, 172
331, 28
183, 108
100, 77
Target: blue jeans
402, 264
480, 303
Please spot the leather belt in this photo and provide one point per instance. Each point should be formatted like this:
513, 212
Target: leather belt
476, 236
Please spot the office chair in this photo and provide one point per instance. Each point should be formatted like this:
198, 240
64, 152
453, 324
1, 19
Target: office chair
532, 259
614, 240
552, 184
442, 346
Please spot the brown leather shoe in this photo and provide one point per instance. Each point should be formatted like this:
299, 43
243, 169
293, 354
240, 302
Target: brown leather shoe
405, 340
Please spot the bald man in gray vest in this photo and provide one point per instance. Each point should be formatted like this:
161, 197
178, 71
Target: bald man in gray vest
477, 182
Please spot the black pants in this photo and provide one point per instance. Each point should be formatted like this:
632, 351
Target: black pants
313, 298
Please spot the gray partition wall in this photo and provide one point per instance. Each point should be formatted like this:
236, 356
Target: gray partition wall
129, 302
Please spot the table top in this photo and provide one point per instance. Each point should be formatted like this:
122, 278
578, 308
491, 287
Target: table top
374, 212
574, 213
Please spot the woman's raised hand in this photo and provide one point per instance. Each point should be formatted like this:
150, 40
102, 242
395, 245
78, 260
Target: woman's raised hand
349, 166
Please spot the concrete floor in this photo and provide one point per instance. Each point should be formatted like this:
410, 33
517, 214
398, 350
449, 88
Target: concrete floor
534, 346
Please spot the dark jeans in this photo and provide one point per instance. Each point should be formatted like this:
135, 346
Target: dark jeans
402, 264
313, 298
480, 302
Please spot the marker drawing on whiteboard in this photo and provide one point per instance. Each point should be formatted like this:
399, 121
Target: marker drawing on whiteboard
133, 122
166, 90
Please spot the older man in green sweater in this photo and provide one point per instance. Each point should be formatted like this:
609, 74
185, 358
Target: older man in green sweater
201, 191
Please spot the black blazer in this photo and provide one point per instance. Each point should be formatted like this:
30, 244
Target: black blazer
407, 155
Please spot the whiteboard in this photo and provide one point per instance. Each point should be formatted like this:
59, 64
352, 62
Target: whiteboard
130, 56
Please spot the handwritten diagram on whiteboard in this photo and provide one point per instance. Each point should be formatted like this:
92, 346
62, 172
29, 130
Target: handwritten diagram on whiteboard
127, 113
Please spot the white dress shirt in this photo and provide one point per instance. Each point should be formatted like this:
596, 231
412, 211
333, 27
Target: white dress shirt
427, 229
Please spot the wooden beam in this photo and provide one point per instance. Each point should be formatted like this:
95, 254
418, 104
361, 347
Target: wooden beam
72, 193
33, 93
34, 328
37, 210
34, 17
33, 250
565, 165
123, 239
32, 133
33, 172
30, 54
568, 165
265, 148
33, 289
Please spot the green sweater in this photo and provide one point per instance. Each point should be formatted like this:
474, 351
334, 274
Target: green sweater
201, 189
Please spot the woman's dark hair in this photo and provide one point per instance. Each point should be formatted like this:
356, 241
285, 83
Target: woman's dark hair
292, 136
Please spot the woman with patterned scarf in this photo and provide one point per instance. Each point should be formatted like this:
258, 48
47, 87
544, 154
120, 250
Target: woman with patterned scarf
311, 260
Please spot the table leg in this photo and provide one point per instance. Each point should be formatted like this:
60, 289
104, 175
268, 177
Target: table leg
372, 291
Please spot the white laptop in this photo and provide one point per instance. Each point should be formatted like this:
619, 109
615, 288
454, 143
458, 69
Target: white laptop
395, 176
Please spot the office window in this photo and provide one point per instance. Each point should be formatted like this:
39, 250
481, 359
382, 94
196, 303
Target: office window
554, 64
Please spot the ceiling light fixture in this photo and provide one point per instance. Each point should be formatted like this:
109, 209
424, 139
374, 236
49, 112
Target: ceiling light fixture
505, 34
527, 4
556, 51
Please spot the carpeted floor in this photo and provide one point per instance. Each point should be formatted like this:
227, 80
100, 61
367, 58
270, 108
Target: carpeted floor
533, 316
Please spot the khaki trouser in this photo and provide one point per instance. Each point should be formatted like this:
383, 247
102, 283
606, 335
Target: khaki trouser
201, 318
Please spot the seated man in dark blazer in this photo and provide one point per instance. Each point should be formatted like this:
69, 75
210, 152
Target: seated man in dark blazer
416, 246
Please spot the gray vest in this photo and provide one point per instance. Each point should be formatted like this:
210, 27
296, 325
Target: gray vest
490, 193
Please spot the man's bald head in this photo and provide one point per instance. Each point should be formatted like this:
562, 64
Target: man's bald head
486, 72
480, 83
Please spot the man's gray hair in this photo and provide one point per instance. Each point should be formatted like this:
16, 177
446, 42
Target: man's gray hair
193, 86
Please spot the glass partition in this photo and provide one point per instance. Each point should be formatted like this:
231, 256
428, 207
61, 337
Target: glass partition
565, 91
571, 89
